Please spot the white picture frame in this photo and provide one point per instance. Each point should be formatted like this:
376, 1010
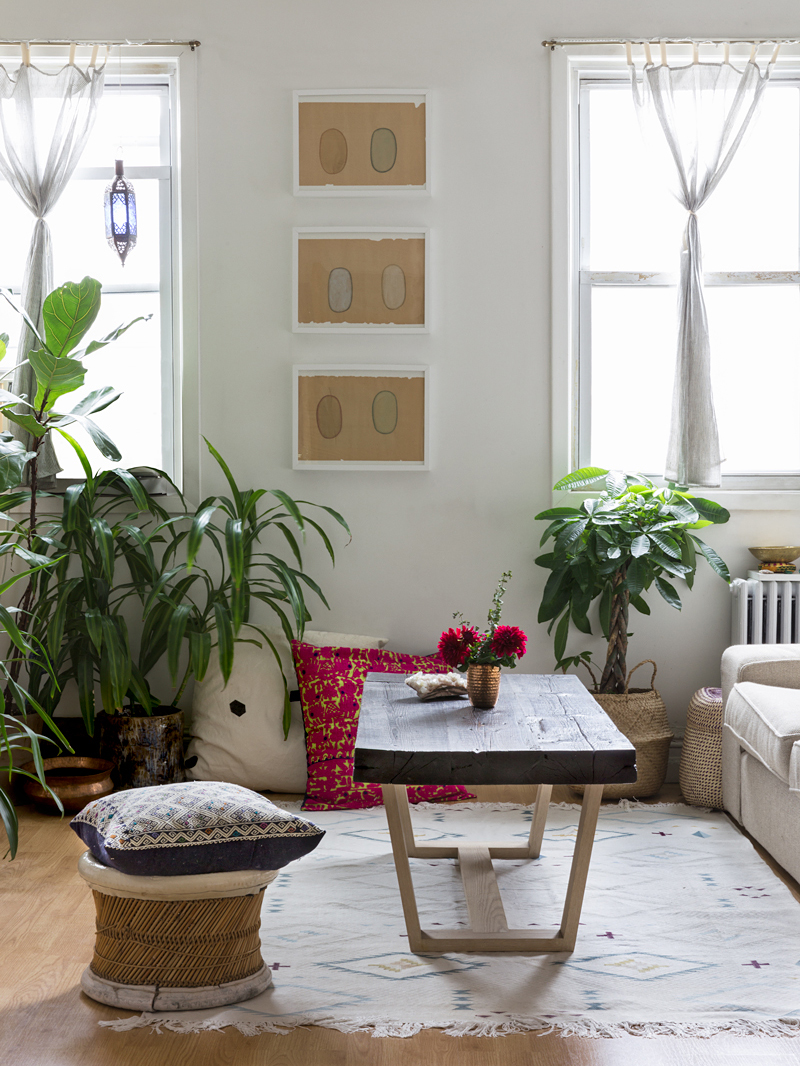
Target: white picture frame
355, 403
313, 268
304, 177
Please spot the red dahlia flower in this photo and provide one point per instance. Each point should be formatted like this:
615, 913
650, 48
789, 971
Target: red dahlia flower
509, 640
454, 644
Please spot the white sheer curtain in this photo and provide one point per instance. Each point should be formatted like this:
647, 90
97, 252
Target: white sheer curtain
45, 121
694, 117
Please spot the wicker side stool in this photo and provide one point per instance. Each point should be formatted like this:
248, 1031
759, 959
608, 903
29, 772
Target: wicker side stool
175, 943
701, 757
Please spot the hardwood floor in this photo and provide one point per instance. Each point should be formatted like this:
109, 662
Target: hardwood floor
47, 935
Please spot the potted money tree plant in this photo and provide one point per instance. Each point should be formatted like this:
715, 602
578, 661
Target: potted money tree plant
614, 548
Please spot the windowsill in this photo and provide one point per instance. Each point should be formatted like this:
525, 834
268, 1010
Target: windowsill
732, 499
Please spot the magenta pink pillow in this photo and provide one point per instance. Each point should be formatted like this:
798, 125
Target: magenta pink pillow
331, 682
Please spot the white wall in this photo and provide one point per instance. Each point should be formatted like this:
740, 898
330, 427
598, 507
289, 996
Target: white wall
424, 544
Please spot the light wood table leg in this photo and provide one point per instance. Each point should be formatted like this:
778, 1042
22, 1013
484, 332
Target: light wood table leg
489, 930
543, 793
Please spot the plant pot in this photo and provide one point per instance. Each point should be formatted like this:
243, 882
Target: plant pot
640, 714
483, 685
146, 749
75, 779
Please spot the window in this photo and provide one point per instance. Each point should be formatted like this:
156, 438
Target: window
625, 237
134, 117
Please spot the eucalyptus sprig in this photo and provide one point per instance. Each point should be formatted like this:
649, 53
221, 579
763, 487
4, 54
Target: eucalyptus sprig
614, 547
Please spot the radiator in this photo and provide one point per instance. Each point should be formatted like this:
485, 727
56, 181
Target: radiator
765, 609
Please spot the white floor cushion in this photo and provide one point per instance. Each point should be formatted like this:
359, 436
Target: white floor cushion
237, 730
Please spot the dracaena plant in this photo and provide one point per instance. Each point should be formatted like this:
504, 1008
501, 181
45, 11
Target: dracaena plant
615, 547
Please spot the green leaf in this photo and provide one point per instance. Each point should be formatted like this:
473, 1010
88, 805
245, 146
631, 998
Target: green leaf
8, 814
667, 544
94, 626
560, 642
710, 511
636, 576
14, 457
195, 538
115, 334
3, 345
68, 313
100, 439
640, 546
72, 499
11, 627
224, 639
668, 592
334, 514
25, 317
641, 605
28, 423
54, 377
83, 668
97, 400
234, 544
570, 534
175, 633
104, 540
689, 559
228, 476
587, 475
290, 506
200, 653
115, 666
558, 512
87, 469
714, 561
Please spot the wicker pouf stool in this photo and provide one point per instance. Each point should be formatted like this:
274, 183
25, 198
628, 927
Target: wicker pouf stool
175, 943
701, 757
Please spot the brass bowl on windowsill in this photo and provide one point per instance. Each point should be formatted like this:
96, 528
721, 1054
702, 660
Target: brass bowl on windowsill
773, 554
75, 779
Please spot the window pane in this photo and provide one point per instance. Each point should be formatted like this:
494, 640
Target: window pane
636, 224
633, 360
755, 345
129, 120
79, 237
133, 366
750, 221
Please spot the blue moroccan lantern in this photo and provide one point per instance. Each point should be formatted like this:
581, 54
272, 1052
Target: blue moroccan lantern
120, 205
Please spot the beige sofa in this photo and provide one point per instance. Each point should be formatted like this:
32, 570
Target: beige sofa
761, 745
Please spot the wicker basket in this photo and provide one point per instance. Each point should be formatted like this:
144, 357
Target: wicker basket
701, 755
640, 714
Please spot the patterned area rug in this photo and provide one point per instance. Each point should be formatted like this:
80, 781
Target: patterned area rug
684, 931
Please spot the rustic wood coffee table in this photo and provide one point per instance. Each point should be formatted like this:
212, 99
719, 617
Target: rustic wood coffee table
545, 730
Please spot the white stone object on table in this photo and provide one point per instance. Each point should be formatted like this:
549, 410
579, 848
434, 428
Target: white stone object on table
437, 686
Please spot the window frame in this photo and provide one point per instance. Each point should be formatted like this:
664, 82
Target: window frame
574, 70
172, 70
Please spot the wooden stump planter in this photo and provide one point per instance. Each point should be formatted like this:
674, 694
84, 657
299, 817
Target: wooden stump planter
145, 749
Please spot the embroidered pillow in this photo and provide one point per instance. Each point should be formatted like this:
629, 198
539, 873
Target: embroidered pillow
196, 827
331, 682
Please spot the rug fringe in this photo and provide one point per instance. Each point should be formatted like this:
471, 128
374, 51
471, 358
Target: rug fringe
584, 1027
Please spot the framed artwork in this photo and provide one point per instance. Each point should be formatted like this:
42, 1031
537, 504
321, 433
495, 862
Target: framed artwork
360, 280
361, 417
361, 142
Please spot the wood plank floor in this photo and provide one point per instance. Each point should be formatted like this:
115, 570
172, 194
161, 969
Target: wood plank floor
47, 934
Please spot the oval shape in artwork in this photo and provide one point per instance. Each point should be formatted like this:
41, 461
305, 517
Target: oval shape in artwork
340, 289
383, 150
329, 417
333, 151
384, 412
393, 287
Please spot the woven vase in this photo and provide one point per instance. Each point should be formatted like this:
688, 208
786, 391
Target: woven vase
701, 755
639, 714
483, 685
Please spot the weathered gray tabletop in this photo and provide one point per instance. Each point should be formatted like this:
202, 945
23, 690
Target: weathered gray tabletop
545, 730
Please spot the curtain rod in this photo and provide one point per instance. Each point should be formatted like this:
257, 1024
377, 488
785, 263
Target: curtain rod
91, 44
671, 40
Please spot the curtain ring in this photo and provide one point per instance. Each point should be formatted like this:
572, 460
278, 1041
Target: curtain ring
26, 53
72, 54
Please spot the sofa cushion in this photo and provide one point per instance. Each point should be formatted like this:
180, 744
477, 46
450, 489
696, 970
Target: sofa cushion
195, 827
331, 684
766, 720
237, 729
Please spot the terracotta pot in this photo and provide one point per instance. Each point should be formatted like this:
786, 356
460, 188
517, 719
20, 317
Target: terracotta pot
483, 685
145, 749
75, 779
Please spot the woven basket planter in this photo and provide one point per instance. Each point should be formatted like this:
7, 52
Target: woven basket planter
701, 755
483, 685
639, 714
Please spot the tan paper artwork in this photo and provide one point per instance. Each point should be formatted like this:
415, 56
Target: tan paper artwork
361, 419
371, 143
360, 281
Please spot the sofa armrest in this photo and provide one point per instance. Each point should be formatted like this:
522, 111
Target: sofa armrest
766, 664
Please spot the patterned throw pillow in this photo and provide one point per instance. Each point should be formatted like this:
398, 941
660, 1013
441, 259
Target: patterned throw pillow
197, 827
331, 682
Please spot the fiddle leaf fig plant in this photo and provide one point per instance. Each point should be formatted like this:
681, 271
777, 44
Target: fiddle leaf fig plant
615, 547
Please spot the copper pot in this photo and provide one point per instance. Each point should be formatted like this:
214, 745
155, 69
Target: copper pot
75, 779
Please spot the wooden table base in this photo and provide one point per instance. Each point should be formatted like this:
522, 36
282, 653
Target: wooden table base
489, 929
